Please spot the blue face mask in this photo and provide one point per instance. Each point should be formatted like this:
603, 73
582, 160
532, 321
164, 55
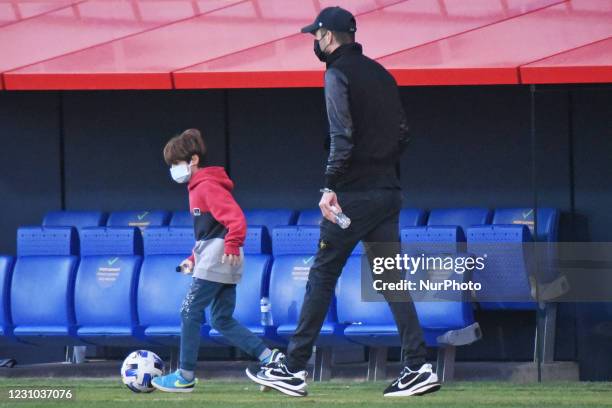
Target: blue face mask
181, 173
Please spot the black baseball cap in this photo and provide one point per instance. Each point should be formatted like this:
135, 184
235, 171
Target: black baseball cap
333, 19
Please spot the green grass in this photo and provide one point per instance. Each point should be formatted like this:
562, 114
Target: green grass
92, 393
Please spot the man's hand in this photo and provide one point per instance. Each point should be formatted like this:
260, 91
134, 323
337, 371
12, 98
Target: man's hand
187, 266
234, 260
329, 200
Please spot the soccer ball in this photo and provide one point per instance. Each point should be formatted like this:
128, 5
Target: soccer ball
139, 368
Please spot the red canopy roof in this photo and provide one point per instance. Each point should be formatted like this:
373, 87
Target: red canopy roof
163, 44
589, 63
12, 11
492, 55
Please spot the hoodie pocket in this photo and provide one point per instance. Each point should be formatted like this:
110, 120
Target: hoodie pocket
208, 259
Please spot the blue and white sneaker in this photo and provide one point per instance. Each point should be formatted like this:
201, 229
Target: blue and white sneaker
174, 382
277, 376
414, 382
275, 357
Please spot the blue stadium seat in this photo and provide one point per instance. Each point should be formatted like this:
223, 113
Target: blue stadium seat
253, 287
309, 217
444, 232
140, 219
372, 324
462, 217
302, 240
432, 239
505, 278
257, 240
291, 240
510, 266
369, 323
42, 286
270, 218
105, 287
161, 289
294, 249
412, 217
6, 326
181, 219
77, 219
509, 263
548, 221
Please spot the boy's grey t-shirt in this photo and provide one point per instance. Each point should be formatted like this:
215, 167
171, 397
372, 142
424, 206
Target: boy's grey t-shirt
208, 255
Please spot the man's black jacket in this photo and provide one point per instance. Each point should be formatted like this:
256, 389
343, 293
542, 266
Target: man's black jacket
367, 123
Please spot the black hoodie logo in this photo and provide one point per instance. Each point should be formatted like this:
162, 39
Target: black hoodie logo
197, 212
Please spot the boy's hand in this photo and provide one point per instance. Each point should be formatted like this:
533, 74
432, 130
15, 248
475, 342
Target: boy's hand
187, 266
234, 260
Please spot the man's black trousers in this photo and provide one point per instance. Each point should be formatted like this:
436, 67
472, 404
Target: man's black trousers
375, 221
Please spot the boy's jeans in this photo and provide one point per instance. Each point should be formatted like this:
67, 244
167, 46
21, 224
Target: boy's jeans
222, 298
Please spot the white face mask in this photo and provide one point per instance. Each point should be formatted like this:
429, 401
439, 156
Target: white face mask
181, 173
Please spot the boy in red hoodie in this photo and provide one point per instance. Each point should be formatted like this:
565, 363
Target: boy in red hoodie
216, 261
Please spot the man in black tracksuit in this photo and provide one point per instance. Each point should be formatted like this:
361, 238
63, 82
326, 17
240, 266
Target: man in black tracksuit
367, 133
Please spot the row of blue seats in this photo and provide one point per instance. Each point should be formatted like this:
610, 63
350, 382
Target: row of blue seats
439, 230
112, 295
548, 219
281, 278
500, 278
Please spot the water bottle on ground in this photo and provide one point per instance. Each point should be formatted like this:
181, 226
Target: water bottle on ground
266, 313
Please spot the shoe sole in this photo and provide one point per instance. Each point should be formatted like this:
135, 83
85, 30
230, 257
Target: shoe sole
161, 388
271, 384
429, 390
425, 389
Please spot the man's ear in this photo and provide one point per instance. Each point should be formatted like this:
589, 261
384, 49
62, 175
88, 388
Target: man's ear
332, 38
195, 160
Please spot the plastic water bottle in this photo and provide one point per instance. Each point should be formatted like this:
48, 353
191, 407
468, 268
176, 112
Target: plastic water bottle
266, 314
183, 269
341, 219
78, 354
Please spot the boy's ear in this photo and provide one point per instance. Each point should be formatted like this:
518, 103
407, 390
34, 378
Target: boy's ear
195, 159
